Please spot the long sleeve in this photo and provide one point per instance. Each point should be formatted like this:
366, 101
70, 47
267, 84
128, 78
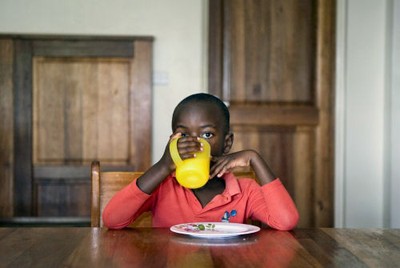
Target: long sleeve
125, 206
172, 204
279, 210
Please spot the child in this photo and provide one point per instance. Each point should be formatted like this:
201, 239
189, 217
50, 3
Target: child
223, 198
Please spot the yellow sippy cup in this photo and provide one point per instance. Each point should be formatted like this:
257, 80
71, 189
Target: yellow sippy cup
193, 172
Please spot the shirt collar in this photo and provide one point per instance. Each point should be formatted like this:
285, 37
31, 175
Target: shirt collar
231, 185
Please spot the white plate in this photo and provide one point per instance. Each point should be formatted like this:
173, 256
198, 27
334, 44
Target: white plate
214, 229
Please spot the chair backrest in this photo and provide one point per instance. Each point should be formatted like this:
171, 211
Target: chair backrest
104, 186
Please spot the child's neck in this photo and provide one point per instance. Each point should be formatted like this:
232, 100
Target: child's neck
212, 188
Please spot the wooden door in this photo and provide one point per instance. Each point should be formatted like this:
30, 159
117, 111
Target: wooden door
272, 61
76, 100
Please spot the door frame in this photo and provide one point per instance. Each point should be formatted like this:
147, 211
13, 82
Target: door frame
28, 46
218, 84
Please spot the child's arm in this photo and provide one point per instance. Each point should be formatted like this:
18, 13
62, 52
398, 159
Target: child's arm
243, 159
276, 208
187, 147
126, 205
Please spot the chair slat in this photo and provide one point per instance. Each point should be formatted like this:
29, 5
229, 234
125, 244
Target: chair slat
104, 186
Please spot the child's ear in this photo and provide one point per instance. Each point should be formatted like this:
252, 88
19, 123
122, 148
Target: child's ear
228, 142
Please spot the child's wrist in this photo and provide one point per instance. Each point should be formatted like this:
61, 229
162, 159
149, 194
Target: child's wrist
255, 158
165, 166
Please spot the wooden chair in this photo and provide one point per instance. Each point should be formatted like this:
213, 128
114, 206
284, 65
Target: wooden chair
104, 186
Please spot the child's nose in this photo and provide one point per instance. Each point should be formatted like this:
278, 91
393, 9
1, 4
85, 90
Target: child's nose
194, 134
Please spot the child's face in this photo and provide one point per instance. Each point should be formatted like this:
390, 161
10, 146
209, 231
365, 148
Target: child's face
206, 121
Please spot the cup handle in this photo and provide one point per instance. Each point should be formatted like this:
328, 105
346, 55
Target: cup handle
173, 151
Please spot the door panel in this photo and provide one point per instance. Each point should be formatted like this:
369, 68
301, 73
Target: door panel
62, 198
76, 99
270, 45
272, 62
82, 116
274, 143
6, 129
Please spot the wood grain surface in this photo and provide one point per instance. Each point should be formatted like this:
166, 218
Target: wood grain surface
66, 101
272, 62
159, 247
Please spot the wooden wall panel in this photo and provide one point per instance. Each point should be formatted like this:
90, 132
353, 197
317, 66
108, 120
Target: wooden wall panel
62, 198
6, 128
289, 151
82, 116
68, 101
141, 105
113, 113
303, 175
272, 62
271, 46
325, 95
274, 144
22, 93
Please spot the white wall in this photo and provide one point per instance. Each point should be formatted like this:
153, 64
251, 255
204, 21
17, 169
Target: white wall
178, 26
367, 87
392, 217
363, 157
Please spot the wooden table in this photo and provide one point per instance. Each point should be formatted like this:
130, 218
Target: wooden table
146, 247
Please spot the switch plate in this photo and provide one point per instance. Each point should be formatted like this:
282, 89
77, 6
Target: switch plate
160, 78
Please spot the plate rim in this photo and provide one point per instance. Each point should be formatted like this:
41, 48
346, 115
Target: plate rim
251, 229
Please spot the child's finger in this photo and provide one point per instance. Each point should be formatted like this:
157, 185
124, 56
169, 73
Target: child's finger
189, 146
175, 135
219, 168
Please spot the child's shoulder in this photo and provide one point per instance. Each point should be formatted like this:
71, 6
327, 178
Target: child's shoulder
248, 181
244, 181
246, 178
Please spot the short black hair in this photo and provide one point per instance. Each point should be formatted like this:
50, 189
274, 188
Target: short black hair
206, 98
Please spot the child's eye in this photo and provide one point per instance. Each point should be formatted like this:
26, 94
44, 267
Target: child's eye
184, 135
207, 135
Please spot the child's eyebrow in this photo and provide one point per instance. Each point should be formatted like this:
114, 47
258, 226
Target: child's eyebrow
202, 127
207, 126
180, 126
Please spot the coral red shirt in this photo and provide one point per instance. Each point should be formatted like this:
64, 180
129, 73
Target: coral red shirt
172, 204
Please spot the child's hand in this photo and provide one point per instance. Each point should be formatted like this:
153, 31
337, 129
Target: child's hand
187, 148
225, 163
244, 158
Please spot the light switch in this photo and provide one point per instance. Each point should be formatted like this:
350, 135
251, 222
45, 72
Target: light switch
160, 78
